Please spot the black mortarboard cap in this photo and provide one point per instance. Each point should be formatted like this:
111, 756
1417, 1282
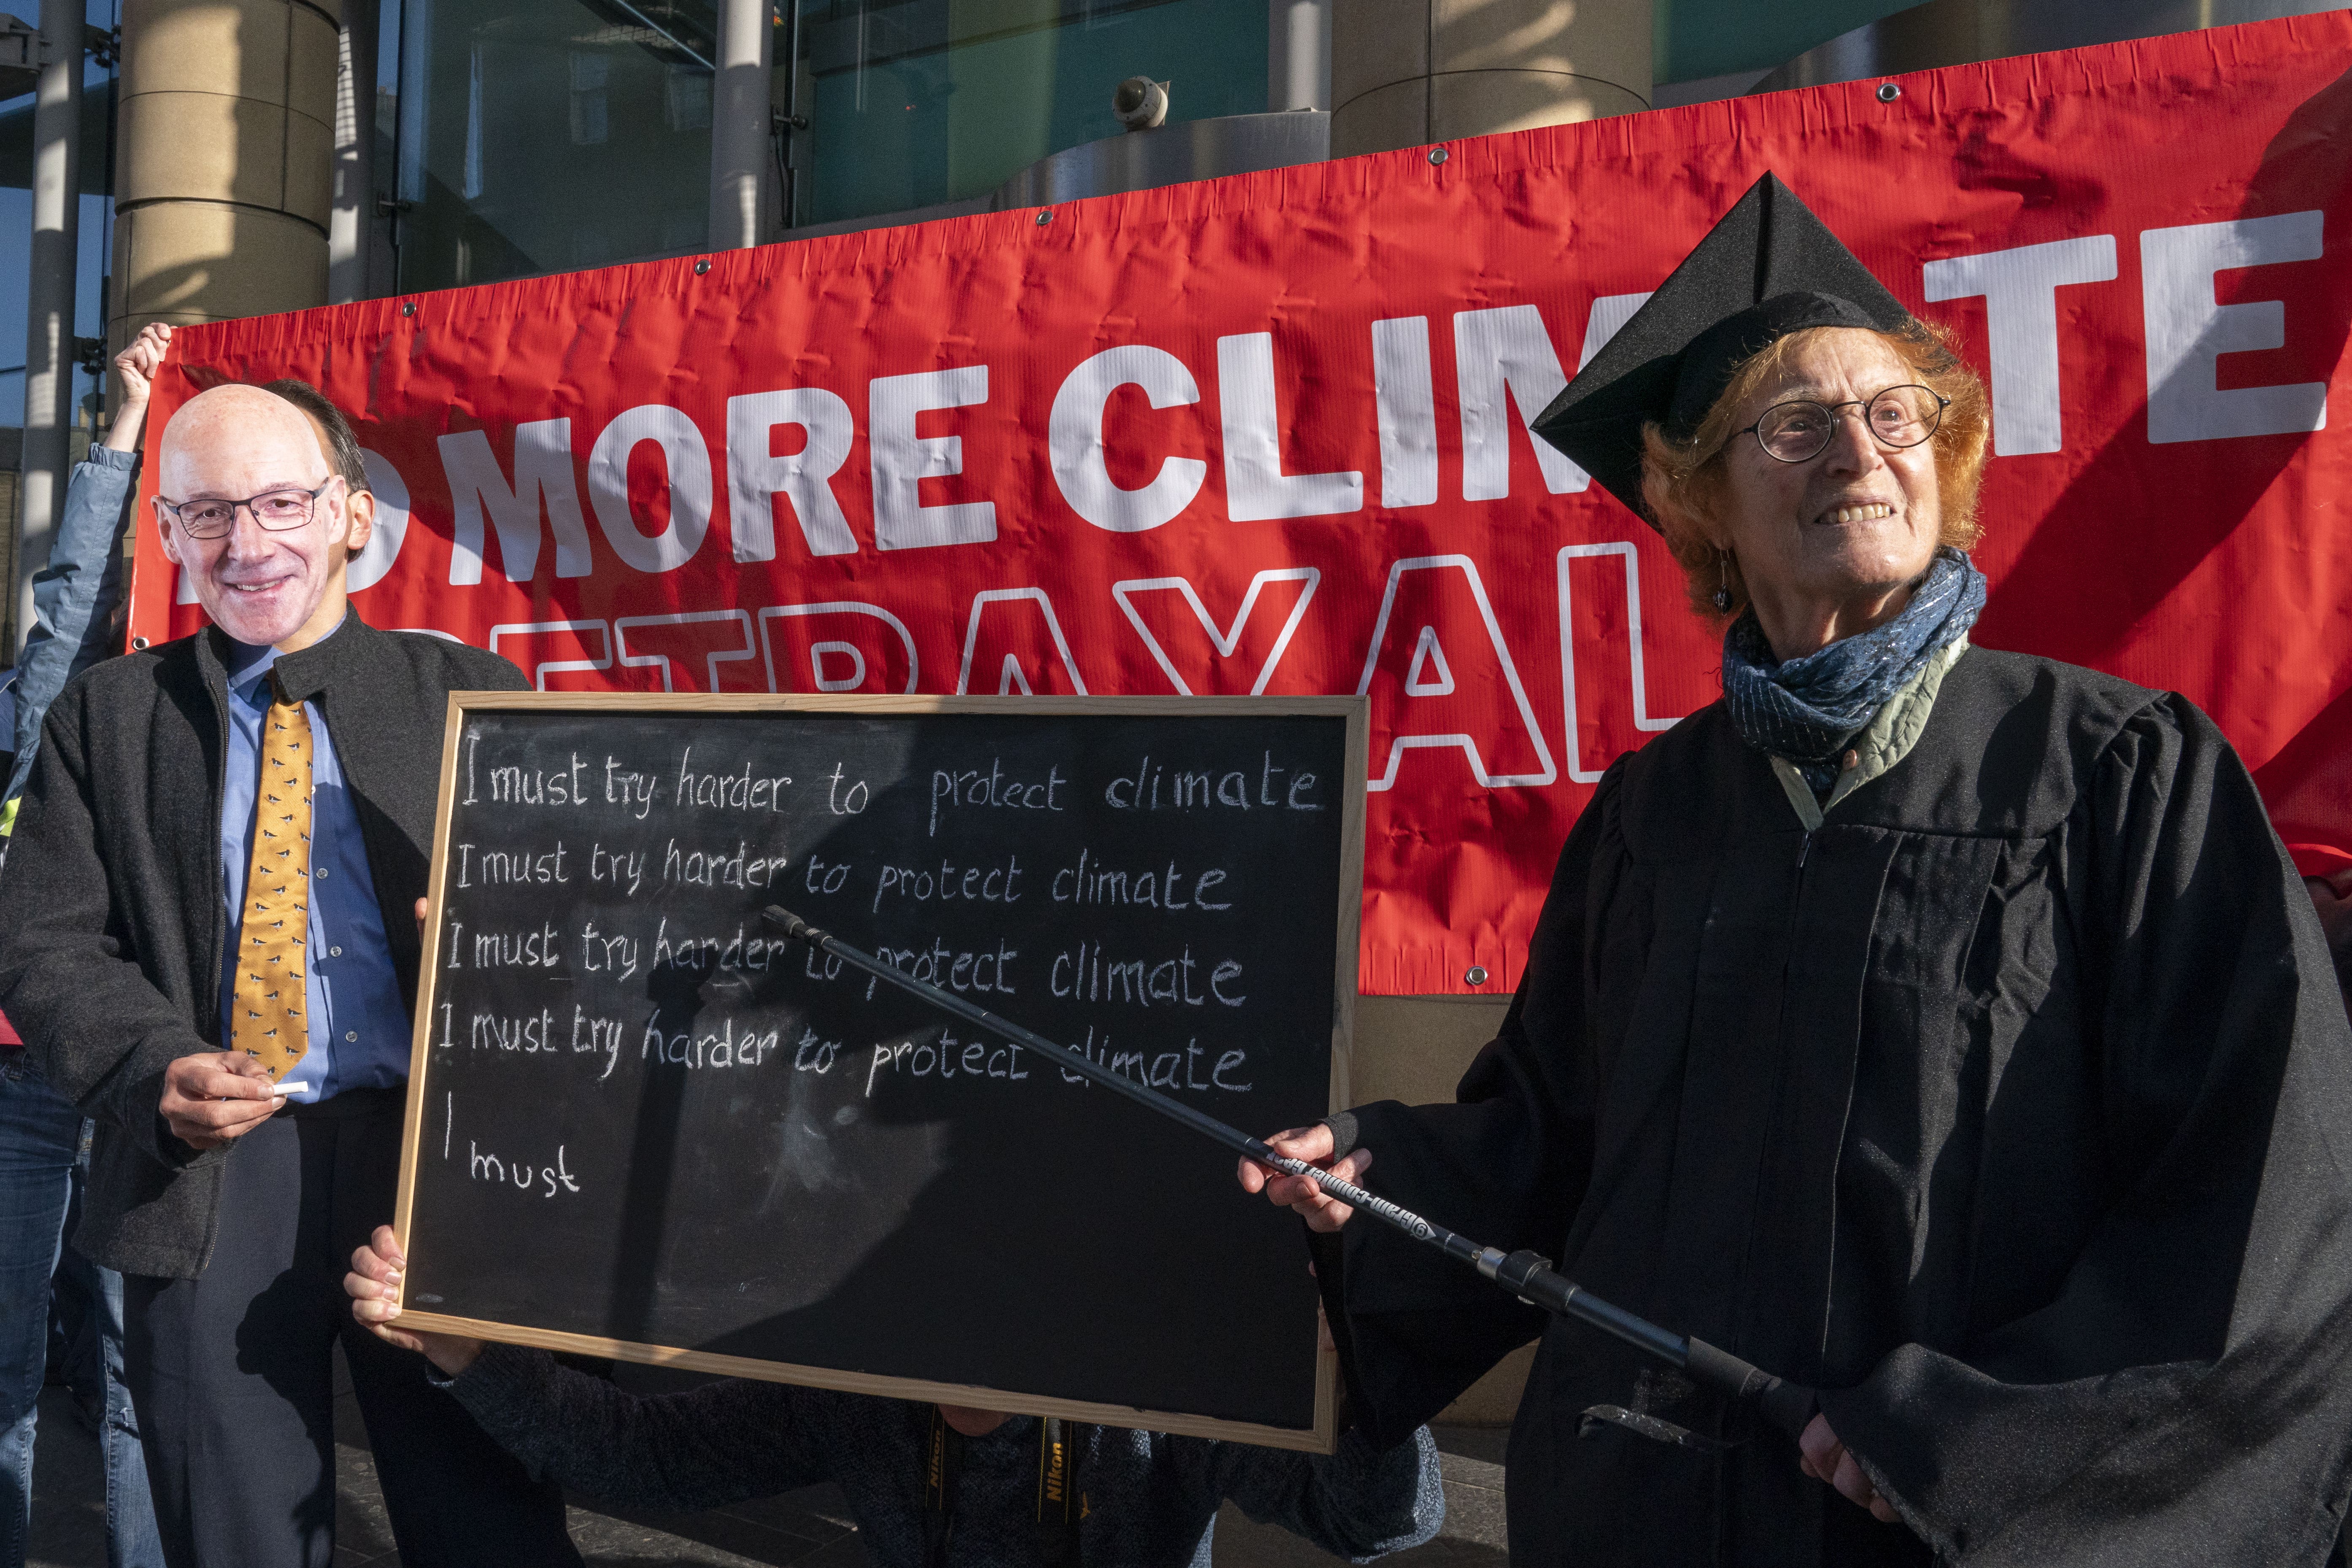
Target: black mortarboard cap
1769, 267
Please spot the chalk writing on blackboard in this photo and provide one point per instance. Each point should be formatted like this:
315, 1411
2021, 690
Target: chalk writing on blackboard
658, 1124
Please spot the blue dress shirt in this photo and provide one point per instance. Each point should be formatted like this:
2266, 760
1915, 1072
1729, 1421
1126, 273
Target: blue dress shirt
359, 1026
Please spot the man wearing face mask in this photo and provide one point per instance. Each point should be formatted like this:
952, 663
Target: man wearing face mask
207, 940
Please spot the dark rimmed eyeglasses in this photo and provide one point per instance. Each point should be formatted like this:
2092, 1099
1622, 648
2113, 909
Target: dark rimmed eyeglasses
1799, 430
280, 511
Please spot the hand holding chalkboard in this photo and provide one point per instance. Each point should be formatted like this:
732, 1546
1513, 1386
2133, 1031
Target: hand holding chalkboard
374, 1286
738, 1154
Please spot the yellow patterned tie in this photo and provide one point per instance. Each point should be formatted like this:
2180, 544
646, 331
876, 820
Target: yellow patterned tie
271, 939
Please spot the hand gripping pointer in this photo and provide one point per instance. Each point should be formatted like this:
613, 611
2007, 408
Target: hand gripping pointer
1530, 1277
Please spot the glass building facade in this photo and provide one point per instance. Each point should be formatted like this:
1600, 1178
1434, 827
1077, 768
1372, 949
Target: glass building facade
96, 233
916, 102
525, 136
533, 136
516, 137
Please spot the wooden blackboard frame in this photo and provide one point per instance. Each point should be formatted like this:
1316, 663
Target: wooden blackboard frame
1321, 1439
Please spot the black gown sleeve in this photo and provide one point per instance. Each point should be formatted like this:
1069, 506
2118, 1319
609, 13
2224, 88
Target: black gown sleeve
2186, 1396
1506, 1165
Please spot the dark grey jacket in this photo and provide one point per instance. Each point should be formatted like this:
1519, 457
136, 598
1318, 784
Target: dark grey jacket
111, 912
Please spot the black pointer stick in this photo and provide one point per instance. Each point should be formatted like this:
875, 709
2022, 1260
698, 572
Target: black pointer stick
1526, 1275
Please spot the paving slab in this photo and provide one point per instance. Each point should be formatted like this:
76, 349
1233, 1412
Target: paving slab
807, 1529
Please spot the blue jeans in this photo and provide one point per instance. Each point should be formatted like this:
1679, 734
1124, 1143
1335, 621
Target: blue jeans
43, 1149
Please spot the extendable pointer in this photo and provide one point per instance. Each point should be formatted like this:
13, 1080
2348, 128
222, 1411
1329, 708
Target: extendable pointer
1525, 1273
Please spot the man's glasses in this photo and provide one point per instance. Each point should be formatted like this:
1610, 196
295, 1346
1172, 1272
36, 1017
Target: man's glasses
1899, 416
280, 512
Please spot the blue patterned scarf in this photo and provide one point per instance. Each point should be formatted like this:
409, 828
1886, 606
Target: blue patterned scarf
1808, 708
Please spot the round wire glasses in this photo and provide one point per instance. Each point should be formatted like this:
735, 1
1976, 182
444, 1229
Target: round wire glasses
1798, 430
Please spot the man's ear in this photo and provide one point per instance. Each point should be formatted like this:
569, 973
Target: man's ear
169, 538
359, 512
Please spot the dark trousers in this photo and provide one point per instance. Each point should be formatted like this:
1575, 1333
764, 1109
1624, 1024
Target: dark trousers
44, 1150
232, 1377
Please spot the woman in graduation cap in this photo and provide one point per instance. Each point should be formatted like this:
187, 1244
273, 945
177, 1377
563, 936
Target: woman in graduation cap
1940, 1027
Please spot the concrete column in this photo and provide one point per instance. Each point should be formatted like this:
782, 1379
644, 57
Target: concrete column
741, 156
1408, 72
225, 178
50, 298
1299, 55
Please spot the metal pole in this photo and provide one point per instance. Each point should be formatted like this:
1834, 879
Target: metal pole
414, 92
739, 124
1530, 1277
49, 295
352, 219
790, 162
1298, 59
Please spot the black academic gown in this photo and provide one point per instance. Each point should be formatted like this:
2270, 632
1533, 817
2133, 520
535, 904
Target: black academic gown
2012, 1108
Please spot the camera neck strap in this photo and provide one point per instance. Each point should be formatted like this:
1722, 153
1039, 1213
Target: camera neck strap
1060, 1504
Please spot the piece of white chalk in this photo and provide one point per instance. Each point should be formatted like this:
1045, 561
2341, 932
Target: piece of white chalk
295, 1087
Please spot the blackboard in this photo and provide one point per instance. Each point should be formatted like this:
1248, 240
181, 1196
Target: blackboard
641, 1125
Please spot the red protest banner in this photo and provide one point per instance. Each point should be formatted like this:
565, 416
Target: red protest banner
1267, 434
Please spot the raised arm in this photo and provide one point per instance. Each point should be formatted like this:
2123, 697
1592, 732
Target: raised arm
134, 371
74, 593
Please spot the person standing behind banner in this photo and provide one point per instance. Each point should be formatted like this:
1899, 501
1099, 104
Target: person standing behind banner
45, 1141
208, 939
